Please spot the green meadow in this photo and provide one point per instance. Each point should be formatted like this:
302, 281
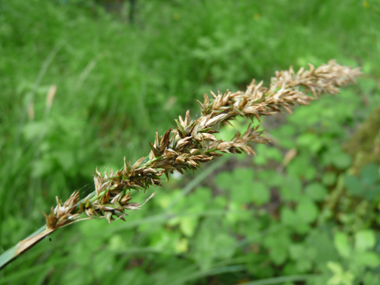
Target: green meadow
85, 83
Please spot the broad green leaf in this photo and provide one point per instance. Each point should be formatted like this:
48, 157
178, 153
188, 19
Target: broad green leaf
201, 194
224, 180
278, 255
164, 240
285, 134
274, 153
302, 167
239, 183
289, 217
353, 185
297, 251
260, 159
242, 174
335, 267
341, 160
237, 212
188, 225
371, 278
277, 242
164, 199
291, 190
182, 245
271, 177
342, 244
316, 191
372, 192
211, 242
370, 173
310, 141
364, 240
323, 246
260, 193
303, 256
329, 178
219, 201
242, 194
307, 211
303, 265
370, 259
261, 155
340, 276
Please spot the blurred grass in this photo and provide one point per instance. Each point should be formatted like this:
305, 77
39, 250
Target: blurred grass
118, 82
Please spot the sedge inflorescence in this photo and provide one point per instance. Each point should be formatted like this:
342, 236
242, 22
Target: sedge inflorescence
193, 142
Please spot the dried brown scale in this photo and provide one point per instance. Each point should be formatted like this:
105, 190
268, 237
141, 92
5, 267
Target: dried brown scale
192, 143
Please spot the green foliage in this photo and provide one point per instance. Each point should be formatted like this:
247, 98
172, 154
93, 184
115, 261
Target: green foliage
309, 219
366, 185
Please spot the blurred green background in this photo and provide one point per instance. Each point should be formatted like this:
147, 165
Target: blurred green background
120, 70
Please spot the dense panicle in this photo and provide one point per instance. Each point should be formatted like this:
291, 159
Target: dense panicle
192, 142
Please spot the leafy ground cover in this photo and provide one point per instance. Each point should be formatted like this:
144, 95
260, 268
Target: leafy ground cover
294, 214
